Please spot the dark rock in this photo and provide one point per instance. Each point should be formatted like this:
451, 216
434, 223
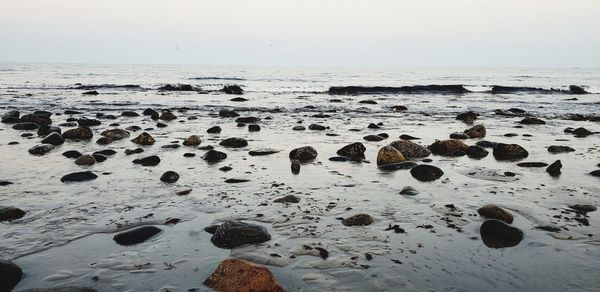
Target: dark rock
129, 114
339, 159
398, 108
299, 128
133, 151
92, 92
384, 135
253, 128
389, 155
476, 152
358, 220
232, 89
161, 125
40, 119
373, 138
486, 144
574, 89
492, 211
531, 121
595, 173
247, 120
85, 160
214, 156
560, 149
410, 149
178, 87
26, 126
234, 143
225, 168
554, 168
239, 99
148, 161
398, 166
262, 152
582, 132
10, 275
193, 140
136, 235
228, 114
368, 101
477, 131
236, 180
317, 127
548, 228
214, 130
354, 151
144, 139
80, 133
408, 137
99, 157
152, 113
44, 130
232, 234
189, 154
498, 234
40, 149
167, 115
115, 134
85, 122
467, 117
71, 154
79, 177
583, 208
426, 173
53, 139
10, 213
207, 147
289, 199
106, 152
416, 89
509, 152
295, 166
409, 191
303, 154
373, 126
169, 177
532, 164
461, 136
11, 114
447, 147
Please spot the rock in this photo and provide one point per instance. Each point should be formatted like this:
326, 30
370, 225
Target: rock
129, 114
45, 130
234, 143
193, 140
410, 149
262, 152
79, 177
574, 89
232, 234
40, 149
247, 120
99, 157
239, 99
228, 114
214, 130
289, 199
531, 121
447, 147
40, 119
85, 122
144, 139
239, 275
532, 164
477, 131
61, 289
476, 152
133, 128
467, 117
426, 173
10, 213
373, 126
106, 152
354, 151
152, 113
368, 101
115, 134
161, 125
178, 87
232, 89
10, 275
398, 166
409, 191
595, 173
509, 152
25, 126
11, 114
486, 144
299, 128
133, 151
214, 156
71, 154
148, 161
554, 149
358, 220
317, 127
583, 208
81, 133
408, 137
492, 211
85, 160
461, 136
582, 132
295, 166
389, 155
136, 235
236, 180
303, 154
498, 234
253, 128
169, 177
53, 139
167, 115
554, 168
91, 92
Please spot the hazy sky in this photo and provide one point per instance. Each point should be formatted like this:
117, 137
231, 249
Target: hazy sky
521, 33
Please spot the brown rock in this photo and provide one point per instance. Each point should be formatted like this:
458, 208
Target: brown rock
447, 147
81, 133
477, 131
234, 275
144, 139
389, 155
358, 220
492, 211
193, 140
410, 149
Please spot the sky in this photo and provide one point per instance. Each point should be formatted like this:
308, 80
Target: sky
323, 33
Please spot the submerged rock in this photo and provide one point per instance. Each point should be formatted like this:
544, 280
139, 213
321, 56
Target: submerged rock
232, 234
303, 154
144, 139
214, 156
447, 147
234, 143
358, 220
460, 136
317, 127
239, 275
228, 113
10, 214
148, 161
467, 117
10, 275
81, 133
498, 234
247, 120
373, 138
136, 235
492, 211
409, 191
85, 122
426, 173
509, 152
410, 149
582, 132
79, 177
262, 152
389, 155
354, 151
167, 115
169, 177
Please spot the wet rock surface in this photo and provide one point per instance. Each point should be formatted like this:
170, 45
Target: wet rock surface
136, 235
358, 220
426, 173
303, 154
10, 213
492, 211
79, 177
10, 275
509, 152
232, 234
498, 234
240, 275
389, 155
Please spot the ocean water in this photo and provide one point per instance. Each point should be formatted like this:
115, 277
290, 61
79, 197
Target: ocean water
65, 239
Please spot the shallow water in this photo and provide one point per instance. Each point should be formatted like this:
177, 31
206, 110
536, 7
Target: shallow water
69, 227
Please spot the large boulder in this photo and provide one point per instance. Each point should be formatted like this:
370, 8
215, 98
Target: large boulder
303, 154
509, 152
81, 133
354, 151
239, 275
410, 149
232, 234
389, 155
10, 275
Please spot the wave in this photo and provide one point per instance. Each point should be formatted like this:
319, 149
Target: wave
573, 89
416, 89
108, 86
218, 78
